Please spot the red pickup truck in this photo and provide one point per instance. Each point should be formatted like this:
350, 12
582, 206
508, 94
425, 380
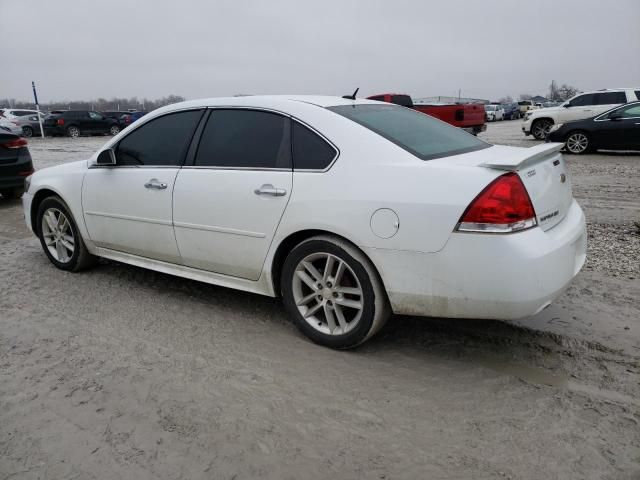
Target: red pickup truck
468, 116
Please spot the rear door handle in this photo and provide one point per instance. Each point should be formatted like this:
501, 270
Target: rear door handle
268, 189
154, 183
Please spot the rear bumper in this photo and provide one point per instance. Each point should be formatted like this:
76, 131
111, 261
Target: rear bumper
55, 130
14, 181
475, 129
486, 276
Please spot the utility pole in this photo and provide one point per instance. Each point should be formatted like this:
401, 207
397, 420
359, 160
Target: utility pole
35, 97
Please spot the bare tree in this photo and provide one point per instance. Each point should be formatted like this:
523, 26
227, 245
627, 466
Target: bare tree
565, 92
526, 96
554, 94
507, 99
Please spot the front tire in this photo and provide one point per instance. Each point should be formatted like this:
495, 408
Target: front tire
27, 132
540, 128
60, 238
578, 143
333, 293
114, 130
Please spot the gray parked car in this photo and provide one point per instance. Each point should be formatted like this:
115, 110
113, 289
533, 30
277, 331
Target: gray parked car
29, 125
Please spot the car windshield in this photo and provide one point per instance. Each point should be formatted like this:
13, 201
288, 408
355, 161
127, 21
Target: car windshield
420, 134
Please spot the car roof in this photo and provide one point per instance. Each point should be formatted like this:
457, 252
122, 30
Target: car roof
268, 101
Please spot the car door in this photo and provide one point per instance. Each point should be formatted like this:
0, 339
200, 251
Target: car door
627, 129
98, 122
578, 108
227, 205
128, 206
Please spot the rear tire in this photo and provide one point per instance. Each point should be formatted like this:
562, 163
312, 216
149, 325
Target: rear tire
333, 292
540, 128
73, 131
578, 143
60, 238
27, 132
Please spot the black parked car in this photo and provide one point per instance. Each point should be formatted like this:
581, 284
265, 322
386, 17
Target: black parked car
615, 129
74, 123
15, 164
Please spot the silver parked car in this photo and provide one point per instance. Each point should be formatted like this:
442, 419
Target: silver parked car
29, 125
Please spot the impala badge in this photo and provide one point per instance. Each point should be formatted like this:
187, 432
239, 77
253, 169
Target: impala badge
563, 178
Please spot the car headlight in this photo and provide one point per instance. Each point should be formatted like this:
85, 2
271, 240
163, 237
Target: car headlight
555, 127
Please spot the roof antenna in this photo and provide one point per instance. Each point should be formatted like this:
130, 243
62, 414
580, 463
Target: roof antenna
351, 97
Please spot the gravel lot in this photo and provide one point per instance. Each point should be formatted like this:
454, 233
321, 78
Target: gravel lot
120, 372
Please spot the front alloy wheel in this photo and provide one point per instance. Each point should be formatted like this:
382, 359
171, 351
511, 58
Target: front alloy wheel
541, 128
333, 292
577, 142
60, 238
114, 130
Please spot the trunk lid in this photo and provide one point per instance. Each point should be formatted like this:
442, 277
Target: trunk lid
544, 174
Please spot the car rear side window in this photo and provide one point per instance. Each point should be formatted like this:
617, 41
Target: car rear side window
310, 150
161, 142
609, 98
239, 138
420, 134
632, 111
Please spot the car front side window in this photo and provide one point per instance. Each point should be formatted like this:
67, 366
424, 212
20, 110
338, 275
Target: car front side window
161, 142
582, 100
632, 111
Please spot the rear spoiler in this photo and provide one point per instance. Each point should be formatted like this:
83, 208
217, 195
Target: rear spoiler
524, 156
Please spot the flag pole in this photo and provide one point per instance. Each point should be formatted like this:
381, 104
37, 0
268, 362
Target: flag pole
35, 97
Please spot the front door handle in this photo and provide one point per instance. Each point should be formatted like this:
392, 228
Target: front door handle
154, 183
268, 189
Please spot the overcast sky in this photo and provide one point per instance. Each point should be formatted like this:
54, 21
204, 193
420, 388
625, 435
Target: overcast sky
85, 49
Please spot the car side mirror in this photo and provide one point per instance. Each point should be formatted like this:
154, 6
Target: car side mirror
106, 157
566, 105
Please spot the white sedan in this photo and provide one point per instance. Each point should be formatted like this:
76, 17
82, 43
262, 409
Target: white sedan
347, 209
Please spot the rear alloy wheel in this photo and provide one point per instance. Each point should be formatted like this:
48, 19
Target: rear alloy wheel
541, 128
73, 132
27, 131
333, 293
60, 238
114, 130
578, 143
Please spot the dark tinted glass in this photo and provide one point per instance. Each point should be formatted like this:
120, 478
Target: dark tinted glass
419, 134
162, 141
638, 94
583, 100
608, 98
310, 150
403, 100
245, 138
632, 111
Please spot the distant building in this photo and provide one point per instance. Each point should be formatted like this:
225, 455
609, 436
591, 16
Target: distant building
539, 99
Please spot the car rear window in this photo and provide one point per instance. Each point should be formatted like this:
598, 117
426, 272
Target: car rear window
419, 134
638, 94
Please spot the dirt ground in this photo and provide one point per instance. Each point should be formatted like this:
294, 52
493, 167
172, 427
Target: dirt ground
122, 373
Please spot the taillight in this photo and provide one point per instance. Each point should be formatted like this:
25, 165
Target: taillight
17, 143
503, 206
60, 121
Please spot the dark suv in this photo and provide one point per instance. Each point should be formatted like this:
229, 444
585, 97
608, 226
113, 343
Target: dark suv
74, 123
15, 164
